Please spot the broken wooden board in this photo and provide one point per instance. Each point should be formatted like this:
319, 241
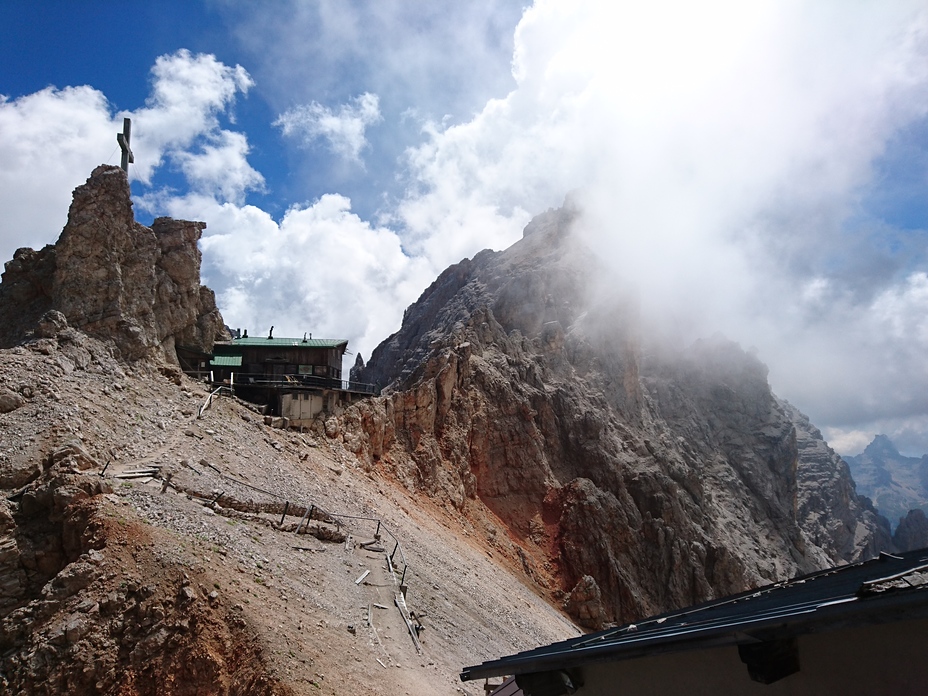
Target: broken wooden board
147, 473
400, 602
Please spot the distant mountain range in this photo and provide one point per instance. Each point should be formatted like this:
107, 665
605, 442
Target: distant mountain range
895, 483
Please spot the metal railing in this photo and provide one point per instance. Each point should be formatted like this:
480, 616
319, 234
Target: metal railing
209, 399
311, 511
381, 527
261, 379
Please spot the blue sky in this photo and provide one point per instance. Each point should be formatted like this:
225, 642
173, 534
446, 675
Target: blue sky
757, 169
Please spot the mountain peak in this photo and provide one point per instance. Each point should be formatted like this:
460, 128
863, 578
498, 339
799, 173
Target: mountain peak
525, 389
881, 446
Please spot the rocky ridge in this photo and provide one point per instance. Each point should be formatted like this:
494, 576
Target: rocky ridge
113, 278
630, 478
829, 509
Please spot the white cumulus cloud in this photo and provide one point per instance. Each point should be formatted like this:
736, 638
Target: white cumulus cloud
343, 129
51, 140
220, 167
180, 121
49, 143
319, 269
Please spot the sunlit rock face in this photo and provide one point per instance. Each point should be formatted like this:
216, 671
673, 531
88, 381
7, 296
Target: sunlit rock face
625, 476
113, 278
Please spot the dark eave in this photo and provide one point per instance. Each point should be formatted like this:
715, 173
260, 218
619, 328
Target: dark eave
871, 592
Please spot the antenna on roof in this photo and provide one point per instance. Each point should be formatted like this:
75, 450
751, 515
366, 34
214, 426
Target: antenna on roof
270, 334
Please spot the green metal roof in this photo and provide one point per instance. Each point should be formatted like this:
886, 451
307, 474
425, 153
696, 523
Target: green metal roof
226, 361
288, 342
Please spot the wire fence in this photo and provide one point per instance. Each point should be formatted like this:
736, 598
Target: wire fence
375, 527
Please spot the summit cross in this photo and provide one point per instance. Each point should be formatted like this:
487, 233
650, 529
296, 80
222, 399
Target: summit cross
123, 140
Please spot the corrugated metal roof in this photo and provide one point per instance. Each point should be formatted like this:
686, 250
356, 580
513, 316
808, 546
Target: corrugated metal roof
287, 342
854, 594
226, 361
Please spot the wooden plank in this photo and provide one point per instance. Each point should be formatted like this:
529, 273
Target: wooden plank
363, 575
390, 568
400, 602
305, 515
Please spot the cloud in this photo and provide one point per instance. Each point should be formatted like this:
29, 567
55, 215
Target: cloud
342, 129
49, 143
189, 93
220, 168
425, 61
52, 139
436, 59
722, 151
320, 269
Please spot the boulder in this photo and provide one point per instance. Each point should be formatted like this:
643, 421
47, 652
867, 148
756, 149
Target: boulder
51, 324
585, 604
10, 401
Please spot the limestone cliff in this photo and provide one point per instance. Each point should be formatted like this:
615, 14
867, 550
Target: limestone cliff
113, 278
830, 511
625, 477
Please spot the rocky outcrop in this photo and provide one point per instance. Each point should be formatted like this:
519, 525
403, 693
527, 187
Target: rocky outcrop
113, 278
585, 602
77, 616
630, 477
44, 529
26, 292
